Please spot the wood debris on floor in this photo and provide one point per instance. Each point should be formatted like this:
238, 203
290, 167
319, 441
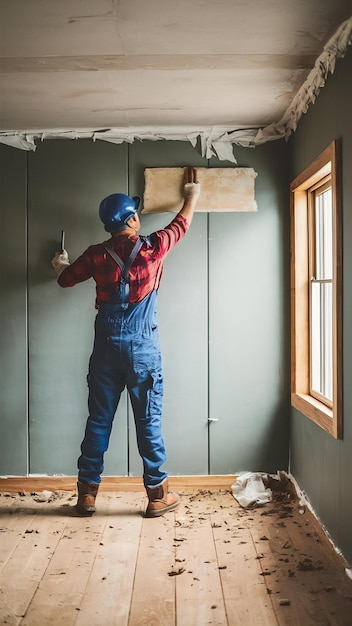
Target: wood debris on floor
208, 562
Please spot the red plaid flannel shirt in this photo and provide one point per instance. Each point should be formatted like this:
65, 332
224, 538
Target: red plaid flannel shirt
146, 269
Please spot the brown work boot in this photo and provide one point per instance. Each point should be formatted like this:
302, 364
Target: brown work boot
86, 498
161, 500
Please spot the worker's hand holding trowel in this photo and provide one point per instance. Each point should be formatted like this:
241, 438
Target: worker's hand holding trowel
192, 186
191, 192
60, 260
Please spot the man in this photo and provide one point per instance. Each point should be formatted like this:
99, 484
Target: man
127, 270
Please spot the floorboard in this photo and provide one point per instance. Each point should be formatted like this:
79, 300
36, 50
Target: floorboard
210, 562
199, 597
245, 592
113, 571
153, 598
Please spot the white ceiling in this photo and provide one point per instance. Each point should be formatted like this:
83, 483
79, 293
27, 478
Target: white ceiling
157, 64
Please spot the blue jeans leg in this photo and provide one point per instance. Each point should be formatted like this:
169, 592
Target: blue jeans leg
104, 394
146, 395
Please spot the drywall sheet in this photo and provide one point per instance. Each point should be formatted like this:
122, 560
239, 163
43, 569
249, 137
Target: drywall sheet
184, 346
13, 327
75, 177
222, 189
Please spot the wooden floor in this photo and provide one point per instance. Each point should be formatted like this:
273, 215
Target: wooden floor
210, 562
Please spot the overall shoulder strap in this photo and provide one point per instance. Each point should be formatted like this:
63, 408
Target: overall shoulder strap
136, 248
125, 267
123, 288
115, 256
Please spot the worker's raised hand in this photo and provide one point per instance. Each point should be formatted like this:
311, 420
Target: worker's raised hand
192, 187
60, 261
191, 193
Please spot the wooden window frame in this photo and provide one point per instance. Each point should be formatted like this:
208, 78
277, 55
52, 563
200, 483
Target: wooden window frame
328, 418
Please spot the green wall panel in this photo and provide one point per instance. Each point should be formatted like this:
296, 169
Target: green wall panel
183, 319
67, 180
248, 323
13, 321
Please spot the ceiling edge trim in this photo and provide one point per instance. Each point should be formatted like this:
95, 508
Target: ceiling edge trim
335, 49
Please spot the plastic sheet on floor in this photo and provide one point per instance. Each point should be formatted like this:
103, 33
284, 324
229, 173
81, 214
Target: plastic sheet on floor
249, 490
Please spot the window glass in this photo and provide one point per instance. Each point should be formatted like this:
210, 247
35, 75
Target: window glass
321, 271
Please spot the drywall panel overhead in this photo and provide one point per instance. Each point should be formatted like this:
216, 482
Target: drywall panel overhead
222, 189
13, 320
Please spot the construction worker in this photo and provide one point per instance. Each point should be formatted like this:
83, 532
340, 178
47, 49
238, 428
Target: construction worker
127, 269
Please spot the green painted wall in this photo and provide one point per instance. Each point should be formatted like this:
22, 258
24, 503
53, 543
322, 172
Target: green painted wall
223, 314
322, 465
13, 313
65, 184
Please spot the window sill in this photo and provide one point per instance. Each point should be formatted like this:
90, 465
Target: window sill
315, 410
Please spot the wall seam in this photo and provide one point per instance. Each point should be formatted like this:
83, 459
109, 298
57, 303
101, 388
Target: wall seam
128, 410
26, 237
208, 347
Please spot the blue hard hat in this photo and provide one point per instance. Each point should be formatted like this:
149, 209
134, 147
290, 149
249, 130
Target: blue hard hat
115, 211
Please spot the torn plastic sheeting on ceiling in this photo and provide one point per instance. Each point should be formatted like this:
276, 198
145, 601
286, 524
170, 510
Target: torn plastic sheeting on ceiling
214, 142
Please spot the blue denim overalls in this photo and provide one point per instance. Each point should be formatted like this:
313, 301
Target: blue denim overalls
126, 353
